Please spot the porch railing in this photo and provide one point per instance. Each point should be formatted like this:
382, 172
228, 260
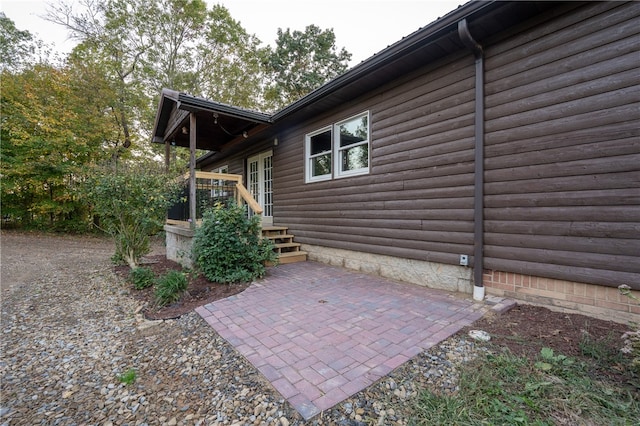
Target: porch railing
211, 189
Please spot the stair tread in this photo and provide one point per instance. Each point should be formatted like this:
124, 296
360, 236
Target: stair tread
292, 254
284, 245
274, 228
278, 236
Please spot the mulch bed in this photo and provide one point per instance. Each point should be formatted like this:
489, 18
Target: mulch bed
199, 292
524, 330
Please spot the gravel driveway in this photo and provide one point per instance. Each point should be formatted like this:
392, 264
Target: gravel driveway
70, 329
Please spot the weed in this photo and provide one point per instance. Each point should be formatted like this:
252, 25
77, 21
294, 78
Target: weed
169, 287
631, 339
141, 278
505, 389
599, 350
128, 377
549, 359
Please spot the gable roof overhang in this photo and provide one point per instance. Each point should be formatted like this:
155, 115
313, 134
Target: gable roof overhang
217, 125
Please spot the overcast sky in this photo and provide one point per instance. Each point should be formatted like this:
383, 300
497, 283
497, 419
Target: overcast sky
363, 27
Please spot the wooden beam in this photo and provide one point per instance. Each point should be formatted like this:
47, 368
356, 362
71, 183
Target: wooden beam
192, 169
167, 155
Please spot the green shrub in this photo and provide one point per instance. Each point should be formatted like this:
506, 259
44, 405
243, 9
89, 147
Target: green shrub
169, 287
227, 247
131, 203
141, 278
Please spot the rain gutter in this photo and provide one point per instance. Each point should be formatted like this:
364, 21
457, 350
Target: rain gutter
478, 196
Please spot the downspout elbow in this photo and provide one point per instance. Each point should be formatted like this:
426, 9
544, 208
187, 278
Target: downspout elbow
478, 208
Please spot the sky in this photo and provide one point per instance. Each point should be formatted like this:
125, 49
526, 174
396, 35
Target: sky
363, 27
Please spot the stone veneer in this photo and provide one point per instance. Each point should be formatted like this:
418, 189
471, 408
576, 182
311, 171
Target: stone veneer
428, 274
179, 240
593, 300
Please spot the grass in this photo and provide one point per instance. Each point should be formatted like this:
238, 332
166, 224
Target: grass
129, 377
600, 350
503, 389
142, 278
169, 287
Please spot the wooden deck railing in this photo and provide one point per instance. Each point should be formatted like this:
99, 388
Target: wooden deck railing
213, 187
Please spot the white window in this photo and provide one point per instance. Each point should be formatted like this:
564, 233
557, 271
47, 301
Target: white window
352, 146
339, 150
218, 185
318, 154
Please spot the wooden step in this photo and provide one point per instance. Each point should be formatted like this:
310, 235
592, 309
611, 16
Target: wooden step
287, 250
274, 228
292, 257
287, 246
270, 231
286, 238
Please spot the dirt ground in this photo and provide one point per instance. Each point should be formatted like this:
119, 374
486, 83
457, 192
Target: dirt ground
524, 329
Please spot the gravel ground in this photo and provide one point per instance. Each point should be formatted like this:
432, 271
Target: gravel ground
70, 329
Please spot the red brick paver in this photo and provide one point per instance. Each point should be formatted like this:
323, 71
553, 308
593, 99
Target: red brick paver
321, 334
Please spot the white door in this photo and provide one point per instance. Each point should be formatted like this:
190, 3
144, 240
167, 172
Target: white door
260, 183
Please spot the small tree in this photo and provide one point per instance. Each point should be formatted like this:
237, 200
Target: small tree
227, 247
131, 204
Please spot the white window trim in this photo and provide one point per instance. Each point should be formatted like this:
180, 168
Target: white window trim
217, 182
308, 157
337, 165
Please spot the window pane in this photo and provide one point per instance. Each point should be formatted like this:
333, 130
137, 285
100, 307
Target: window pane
355, 158
321, 143
354, 131
321, 165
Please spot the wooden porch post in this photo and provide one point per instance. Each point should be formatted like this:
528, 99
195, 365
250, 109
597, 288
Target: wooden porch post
192, 169
167, 155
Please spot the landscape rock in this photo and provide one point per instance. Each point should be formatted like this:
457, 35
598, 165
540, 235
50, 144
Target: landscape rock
71, 332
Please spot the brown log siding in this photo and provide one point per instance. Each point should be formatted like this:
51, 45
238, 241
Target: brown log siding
562, 196
562, 156
417, 200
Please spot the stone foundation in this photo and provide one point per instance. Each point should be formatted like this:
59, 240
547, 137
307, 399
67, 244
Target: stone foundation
179, 241
593, 300
428, 274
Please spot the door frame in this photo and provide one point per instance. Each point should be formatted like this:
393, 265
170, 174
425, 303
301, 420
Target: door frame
262, 190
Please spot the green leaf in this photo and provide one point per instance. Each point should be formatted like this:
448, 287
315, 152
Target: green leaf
547, 353
544, 366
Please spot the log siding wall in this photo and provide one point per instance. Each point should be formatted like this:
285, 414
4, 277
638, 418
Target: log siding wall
562, 156
562, 146
417, 200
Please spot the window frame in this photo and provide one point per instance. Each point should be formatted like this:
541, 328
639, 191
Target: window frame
309, 157
336, 150
337, 167
217, 183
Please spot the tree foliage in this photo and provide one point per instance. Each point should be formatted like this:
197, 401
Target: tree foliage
17, 47
302, 62
114, 36
45, 147
131, 203
99, 104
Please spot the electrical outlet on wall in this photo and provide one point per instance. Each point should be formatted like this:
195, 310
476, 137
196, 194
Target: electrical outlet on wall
464, 260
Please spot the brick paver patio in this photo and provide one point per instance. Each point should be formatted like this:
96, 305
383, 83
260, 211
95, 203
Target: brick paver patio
321, 334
